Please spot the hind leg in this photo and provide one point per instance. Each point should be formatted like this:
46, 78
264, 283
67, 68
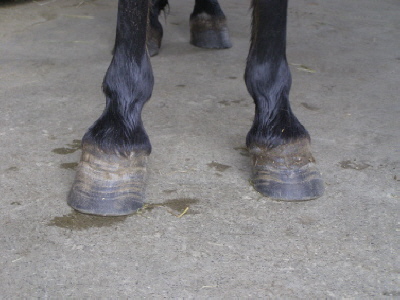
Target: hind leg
155, 30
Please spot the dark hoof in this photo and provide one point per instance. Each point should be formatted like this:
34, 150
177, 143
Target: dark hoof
154, 38
108, 184
287, 172
209, 32
153, 47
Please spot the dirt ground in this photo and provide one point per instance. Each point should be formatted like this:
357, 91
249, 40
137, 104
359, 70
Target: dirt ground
204, 233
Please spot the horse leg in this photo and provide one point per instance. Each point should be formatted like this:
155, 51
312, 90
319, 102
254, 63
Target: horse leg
155, 30
283, 166
111, 175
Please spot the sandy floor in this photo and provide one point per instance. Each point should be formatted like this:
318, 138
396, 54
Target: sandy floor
231, 242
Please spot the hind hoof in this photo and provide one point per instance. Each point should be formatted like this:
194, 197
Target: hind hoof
287, 172
209, 32
154, 40
153, 47
109, 184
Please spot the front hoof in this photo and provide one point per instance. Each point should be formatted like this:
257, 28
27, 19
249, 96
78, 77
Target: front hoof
209, 32
287, 172
109, 184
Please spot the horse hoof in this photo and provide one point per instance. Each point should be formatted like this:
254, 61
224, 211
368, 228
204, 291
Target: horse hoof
153, 47
209, 32
287, 172
154, 40
109, 184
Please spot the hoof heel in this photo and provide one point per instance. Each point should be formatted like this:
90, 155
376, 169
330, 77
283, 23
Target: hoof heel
287, 173
109, 184
209, 32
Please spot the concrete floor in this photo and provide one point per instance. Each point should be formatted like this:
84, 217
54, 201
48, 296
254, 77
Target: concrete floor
231, 242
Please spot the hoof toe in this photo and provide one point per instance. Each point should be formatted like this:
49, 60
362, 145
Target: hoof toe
287, 173
209, 32
297, 184
108, 184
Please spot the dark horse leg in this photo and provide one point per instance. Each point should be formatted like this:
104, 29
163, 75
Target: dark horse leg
283, 167
155, 30
111, 174
208, 27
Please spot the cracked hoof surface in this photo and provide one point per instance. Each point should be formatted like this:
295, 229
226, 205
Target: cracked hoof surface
209, 32
109, 184
287, 172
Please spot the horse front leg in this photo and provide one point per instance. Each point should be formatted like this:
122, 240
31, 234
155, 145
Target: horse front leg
283, 166
111, 175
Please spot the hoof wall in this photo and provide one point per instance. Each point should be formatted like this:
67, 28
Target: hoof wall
209, 32
287, 172
298, 184
108, 184
154, 41
153, 48
154, 38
